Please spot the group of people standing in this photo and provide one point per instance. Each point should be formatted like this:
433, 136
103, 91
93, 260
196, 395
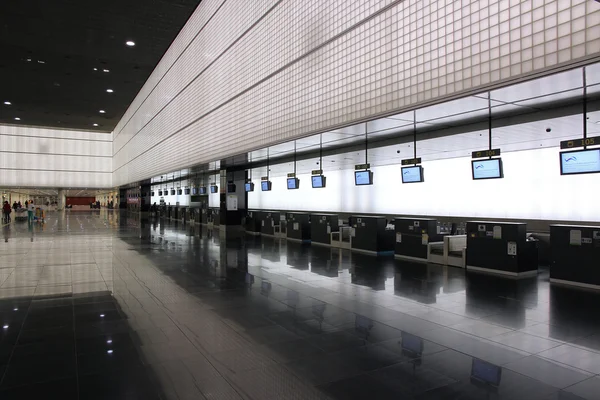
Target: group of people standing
7, 209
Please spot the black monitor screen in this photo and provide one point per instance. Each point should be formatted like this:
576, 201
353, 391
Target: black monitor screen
194, 191
363, 178
412, 174
231, 188
487, 169
214, 189
318, 181
293, 183
486, 372
203, 190
265, 186
187, 191
249, 187
160, 192
179, 191
172, 192
579, 162
152, 194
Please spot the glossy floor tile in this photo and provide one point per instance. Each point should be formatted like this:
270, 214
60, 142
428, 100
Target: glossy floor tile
105, 305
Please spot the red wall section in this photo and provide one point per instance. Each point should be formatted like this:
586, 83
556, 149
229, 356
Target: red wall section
80, 201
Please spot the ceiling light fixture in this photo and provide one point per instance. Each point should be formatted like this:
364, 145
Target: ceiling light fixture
95, 124
95, 69
102, 111
105, 70
130, 43
17, 119
41, 62
8, 103
109, 90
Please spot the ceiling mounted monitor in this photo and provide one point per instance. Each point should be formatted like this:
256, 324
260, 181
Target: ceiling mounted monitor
194, 191
214, 189
172, 192
160, 192
187, 191
249, 187
152, 194
580, 162
179, 192
363, 178
265, 186
231, 188
318, 181
293, 183
487, 169
203, 190
412, 174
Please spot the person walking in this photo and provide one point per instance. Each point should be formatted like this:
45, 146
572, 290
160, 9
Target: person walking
30, 211
6, 212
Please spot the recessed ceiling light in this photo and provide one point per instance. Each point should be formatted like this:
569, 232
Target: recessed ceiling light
101, 111
95, 69
41, 62
105, 70
17, 119
8, 103
95, 124
130, 43
109, 90
29, 60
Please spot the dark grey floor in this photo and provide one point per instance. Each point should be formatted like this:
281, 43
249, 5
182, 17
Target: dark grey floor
99, 305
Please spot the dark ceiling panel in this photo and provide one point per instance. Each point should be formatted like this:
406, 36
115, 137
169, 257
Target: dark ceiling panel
49, 50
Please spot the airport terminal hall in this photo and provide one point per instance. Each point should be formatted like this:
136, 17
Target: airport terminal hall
300, 200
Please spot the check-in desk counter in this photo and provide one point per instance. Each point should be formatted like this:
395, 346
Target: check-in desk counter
371, 236
575, 255
184, 214
213, 216
298, 226
501, 248
253, 219
413, 236
170, 212
269, 219
322, 226
195, 215
204, 217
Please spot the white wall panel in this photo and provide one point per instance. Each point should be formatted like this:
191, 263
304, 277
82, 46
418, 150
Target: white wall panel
39, 157
532, 188
308, 66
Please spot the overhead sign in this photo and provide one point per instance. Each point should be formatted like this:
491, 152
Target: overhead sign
292, 175
485, 153
264, 178
411, 161
580, 142
362, 166
317, 172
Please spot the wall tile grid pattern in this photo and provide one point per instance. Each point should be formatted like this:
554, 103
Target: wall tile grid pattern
275, 70
40, 157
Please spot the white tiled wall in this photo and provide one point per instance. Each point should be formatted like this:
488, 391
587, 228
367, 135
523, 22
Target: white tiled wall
268, 71
38, 157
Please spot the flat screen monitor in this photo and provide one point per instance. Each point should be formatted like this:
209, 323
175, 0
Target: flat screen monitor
265, 186
203, 190
172, 192
293, 183
231, 188
486, 372
363, 178
152, 194
194, 191
318, 181
580, 162
249, 187
187, 191
160, 192
487, 169
412, 174
179, 192
214, 189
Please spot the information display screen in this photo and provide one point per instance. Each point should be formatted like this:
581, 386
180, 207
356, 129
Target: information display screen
487, 169
293, 183
179, 191
214, 189
412, 174
203, 190
363, 178
265, 186
194, 191
231, 188
172, 192
318, 181
187, 191
580, 162
486, 372
249, 187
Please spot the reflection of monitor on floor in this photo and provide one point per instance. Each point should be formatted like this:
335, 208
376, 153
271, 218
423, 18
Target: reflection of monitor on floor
412, 344
486, 374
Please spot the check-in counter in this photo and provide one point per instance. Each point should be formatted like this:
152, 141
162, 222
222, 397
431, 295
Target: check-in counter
215, 215
371, 236
501, 248
195, 215
170, 212
575, 255
322, 226
413, 236
252, 225
298, 226
204, 216
269, 219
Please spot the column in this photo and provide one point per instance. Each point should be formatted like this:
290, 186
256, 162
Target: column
61, 199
